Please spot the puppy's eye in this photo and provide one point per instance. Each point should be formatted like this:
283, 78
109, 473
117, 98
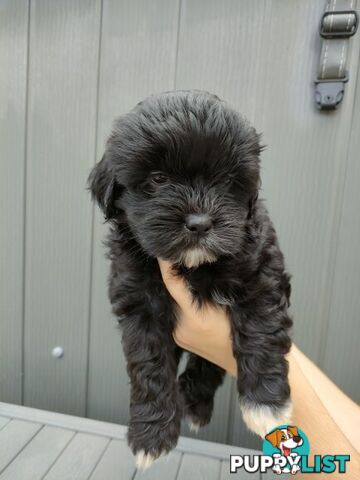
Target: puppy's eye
158, 178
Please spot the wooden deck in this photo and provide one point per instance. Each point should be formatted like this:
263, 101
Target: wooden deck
36, 444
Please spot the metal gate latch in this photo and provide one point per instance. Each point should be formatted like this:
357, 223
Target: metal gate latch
336, 27
329, 93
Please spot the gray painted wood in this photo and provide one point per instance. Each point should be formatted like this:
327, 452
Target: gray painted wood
205, 468
79, 458
13, 65
167, 468
116, 463
138, 46
13, 438
270, 475
75, 450
64, 38
38, 456
66, 421
3, 422
241, 475
341, 353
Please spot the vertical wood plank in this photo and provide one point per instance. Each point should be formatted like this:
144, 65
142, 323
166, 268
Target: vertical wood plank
64, 38
341, 353
138, 50
13, 65
240, 51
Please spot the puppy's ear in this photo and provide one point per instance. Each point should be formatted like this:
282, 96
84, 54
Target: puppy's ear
252, 203
103, 187
253, 200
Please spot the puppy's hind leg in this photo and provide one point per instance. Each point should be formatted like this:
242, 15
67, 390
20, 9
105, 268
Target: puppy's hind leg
198, 384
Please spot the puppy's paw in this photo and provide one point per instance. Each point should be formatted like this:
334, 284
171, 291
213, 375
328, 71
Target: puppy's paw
198, 414
261, 419
151, 440
193, 425
197, 409
145, 460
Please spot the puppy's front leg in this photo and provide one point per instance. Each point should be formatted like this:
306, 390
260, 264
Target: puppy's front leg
260, 342
155, 409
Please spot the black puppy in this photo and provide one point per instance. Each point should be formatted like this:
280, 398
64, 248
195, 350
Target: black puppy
179, 180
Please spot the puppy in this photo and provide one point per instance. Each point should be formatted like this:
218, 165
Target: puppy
179, 180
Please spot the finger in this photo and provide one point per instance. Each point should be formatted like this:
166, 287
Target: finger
175, 284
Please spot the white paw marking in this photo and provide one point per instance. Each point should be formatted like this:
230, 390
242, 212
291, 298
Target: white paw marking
262, 418
144, 460
193, 426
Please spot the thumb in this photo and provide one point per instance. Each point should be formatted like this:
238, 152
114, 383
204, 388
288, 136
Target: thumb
175, 284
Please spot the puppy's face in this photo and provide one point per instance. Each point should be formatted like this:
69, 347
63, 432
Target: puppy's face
182, 179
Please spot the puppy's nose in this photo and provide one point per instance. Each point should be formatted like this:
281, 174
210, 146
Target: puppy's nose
297, 439
198, 222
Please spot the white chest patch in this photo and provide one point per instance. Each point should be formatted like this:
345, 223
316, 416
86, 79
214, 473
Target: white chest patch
195, 257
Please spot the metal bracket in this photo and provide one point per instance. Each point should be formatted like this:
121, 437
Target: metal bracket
339, 33
329, 92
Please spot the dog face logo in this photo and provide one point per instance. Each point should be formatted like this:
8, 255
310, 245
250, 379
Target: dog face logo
285, 439
286, 444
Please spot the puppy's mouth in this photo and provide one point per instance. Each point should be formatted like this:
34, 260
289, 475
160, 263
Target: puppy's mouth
193, 257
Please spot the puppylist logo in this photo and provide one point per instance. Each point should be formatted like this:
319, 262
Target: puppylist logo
286, 449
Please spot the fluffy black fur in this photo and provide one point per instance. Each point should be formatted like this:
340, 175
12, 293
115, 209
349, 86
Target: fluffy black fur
175, 154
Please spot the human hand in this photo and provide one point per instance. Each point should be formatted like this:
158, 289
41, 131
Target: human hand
204, 331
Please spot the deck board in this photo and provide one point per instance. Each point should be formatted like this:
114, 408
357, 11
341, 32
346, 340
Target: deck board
163, 469
116, 463
41, 445
226, 475
79, 458
37, 457
13, 437
204, 468
3, 422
